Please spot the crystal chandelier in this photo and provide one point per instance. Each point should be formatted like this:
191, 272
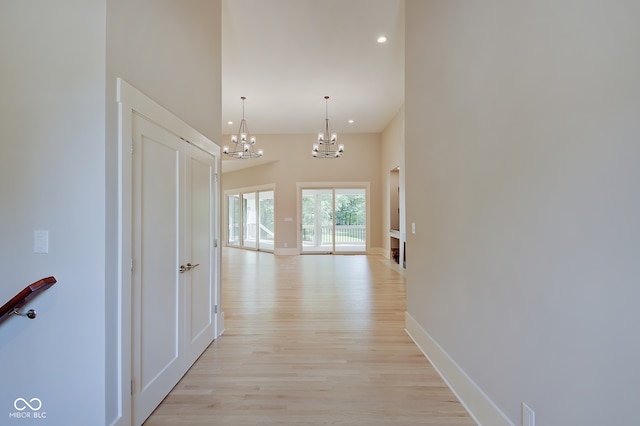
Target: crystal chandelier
242, 142
327, 147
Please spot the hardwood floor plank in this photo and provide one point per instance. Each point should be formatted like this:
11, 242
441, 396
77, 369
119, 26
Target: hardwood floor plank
311, 340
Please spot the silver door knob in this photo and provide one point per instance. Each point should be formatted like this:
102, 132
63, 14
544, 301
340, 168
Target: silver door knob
188, 267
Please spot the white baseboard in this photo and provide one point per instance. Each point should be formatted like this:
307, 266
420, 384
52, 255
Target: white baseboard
380, 251
477, 403
219, 324
293, 251
286, 251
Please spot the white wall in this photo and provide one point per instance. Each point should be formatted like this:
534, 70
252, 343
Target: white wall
52, 177
522, 124
171, 51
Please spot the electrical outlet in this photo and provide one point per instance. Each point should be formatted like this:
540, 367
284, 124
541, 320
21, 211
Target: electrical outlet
528, 416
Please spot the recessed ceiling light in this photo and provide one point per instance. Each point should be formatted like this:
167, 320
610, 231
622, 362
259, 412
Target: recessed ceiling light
350, 121
229, 122
382, 39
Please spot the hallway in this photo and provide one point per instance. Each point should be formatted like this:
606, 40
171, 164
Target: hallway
311, 340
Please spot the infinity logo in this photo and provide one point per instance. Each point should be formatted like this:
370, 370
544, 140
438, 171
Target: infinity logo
21, 404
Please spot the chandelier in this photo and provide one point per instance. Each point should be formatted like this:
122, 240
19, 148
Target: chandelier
242, 142
327, 147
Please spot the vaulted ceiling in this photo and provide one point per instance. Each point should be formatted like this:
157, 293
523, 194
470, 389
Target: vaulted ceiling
286, 55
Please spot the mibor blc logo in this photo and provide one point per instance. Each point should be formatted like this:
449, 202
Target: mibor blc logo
28, 409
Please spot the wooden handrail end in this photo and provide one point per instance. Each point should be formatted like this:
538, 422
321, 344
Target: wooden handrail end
27, 293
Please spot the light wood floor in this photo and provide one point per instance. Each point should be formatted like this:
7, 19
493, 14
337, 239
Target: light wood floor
311, 340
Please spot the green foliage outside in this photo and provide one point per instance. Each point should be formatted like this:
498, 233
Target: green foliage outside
350, 209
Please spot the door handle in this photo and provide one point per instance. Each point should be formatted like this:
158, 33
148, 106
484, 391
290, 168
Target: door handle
188, 267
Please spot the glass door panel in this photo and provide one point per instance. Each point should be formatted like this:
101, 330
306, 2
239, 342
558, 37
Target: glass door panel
266, 232
249, 220
317, 221
233, 219
351, 220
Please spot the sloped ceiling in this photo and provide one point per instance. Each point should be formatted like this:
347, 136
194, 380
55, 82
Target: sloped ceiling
284, 56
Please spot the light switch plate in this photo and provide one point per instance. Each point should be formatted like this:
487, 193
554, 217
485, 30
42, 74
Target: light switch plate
40, 241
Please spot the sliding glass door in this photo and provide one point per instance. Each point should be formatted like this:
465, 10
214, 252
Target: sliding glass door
334, 220
351, 220
317, 220
233, 220
266, 224
250, 220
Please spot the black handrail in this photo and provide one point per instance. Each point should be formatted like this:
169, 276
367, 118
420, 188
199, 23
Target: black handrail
30, 291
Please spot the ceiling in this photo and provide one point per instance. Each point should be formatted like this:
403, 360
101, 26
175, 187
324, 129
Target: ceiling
284, 56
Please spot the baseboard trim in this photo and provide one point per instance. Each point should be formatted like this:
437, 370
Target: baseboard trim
286, 251
379, 250
293, 251
477, 403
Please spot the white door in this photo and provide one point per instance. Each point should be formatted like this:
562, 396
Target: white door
157, 293
173, 262
199, 250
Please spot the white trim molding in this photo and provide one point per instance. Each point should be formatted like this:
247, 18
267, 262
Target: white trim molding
477, 403
379, 251
291, 251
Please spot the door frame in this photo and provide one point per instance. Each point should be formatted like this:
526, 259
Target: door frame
333, 185
130, 101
